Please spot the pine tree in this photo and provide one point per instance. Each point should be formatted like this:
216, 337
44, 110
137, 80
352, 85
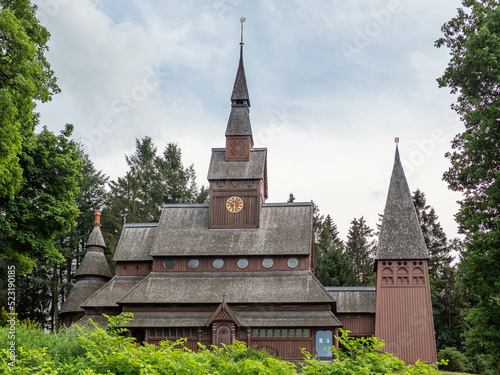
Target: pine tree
150, 182
361, 248
448, 299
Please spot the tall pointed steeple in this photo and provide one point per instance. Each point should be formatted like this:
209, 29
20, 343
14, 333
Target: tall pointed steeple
92, 273
400, 235
238, 173
403, 317
239, 139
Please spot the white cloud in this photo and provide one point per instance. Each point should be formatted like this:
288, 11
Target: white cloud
328, 121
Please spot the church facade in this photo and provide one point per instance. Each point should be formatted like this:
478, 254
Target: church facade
239, 268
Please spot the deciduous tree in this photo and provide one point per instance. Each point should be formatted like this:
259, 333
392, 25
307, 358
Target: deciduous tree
25, 77
473, 74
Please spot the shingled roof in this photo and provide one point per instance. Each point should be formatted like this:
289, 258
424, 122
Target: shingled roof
239, 287
240, 89
169, 318
285, 229
94, 264
254, 169
239, 122
400, 234
80, 292
246, 318
136, 242
115, 289
95, 238
288, 319
353, 299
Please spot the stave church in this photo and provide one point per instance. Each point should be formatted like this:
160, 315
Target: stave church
241, 268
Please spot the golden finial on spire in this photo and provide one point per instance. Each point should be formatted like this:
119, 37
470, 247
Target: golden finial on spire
396, 139
242, 19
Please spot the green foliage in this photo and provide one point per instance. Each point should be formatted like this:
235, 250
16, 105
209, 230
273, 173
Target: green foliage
45, 204
361, 248
362, 356
62, 347
333, 267
456, 359
25, 76
104, 351
150, 182
448, 297
473, 73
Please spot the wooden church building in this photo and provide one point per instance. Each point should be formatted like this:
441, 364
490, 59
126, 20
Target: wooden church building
240, 268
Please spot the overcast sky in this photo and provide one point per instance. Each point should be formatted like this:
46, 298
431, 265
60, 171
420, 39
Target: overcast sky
331, 84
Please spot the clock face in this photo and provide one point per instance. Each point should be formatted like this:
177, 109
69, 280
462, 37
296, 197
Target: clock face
234, 204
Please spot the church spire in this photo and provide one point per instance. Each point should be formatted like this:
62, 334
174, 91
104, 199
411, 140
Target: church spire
400, 235
239, 139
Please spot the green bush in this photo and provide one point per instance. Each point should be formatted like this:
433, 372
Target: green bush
99, 351
62, 347
456, 359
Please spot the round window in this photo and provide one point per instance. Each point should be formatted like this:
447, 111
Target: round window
169, 264
267, 263
243, 263
218, 263
292, 262
193, 264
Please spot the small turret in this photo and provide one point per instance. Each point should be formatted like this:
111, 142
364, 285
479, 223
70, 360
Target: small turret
92, 273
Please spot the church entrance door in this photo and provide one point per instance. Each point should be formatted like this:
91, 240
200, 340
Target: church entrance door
223, 336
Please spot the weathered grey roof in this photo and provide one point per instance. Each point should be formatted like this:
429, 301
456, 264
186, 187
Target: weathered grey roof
80, 292
114, 289
170, 318
240, 89
100, 320
220, 169
247, 319
239, 287
239, 122
135, 242
95, 238
94, 264
288, 319
353, 299
400, 234
284, 229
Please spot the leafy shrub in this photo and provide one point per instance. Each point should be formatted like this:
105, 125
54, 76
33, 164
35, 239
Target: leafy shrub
105, 351
363, 356
456, 359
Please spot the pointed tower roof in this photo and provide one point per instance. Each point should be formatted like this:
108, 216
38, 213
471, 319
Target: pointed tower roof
240, 89
239, 119
95, 238
400, 235
92, 273
94, 262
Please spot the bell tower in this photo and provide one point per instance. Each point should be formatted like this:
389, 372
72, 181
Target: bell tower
238, 173
403, 308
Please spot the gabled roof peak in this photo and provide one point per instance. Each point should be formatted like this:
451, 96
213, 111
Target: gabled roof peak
400, 235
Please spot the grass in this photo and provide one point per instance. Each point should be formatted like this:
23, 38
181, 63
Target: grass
454, 373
